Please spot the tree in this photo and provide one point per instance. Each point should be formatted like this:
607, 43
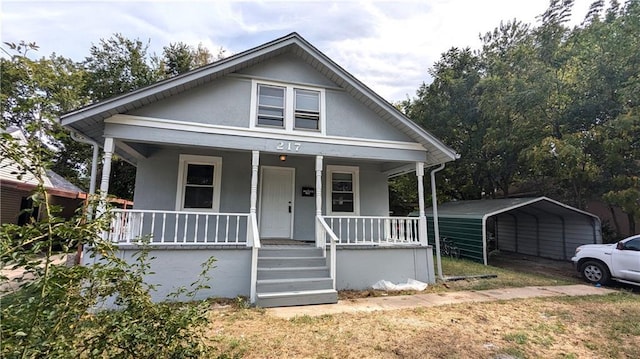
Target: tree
57, 311
449, 109
38, 92
118, 65
178, 58
115, 66
41, 90
505, 99
545, 110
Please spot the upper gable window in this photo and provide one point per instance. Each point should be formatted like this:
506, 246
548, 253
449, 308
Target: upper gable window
271, 105
288, 107
307, 109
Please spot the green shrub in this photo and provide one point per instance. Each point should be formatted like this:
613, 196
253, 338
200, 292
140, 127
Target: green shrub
99, 310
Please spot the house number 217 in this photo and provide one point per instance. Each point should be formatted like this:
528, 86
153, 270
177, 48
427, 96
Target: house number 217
288, 146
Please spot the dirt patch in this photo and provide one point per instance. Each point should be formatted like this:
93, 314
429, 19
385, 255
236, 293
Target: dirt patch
536, 265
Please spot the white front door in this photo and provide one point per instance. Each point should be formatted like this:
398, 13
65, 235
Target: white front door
276, 202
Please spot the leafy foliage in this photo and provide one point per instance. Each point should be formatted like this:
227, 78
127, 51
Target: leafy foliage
44, 89
546, 110
56, 311
179, 58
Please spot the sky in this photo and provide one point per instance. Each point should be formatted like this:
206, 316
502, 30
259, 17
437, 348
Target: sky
388, 45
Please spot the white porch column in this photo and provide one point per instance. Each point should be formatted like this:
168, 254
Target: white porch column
319, 185
319, 237
106, 172
422, 219
255, 162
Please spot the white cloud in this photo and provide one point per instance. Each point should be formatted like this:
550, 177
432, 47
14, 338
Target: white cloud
387, 45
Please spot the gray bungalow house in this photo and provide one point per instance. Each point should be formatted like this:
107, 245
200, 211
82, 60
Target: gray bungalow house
275, 161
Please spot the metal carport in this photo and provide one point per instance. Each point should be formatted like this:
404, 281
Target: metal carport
537, 226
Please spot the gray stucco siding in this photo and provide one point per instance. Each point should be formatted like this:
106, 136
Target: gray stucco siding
374, 192
226, 102
213, 140
348, 117
359, 268
288, 68
157, 179
173, 268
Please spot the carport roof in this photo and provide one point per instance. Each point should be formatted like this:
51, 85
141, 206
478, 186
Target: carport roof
483, 208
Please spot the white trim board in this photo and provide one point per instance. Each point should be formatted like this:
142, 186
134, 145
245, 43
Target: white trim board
263, 133
355, 173
216, 162
289, 109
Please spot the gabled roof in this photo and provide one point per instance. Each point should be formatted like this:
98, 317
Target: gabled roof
53, 182
480, 209
89, 120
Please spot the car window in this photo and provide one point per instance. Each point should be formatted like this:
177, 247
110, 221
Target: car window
633, 244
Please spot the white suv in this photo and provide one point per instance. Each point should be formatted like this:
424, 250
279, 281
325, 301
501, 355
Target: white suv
599, 263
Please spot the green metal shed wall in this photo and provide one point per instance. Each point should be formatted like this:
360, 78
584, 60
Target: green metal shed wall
465, 233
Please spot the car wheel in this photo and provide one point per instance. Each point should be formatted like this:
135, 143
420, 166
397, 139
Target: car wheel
595, 272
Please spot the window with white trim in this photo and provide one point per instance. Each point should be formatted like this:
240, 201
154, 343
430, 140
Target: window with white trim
271, 106
199, 183
343, 190
307, 110
287, 107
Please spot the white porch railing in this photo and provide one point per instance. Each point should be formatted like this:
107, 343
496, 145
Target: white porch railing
174, 227
253, 241
325, 235
374, 230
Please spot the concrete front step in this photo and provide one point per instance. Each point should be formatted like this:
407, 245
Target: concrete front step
293, 284
293, 276
293, 272
290, 252
273, 262
306, 297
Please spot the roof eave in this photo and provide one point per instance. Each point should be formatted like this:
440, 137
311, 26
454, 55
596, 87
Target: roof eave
173, 82
103, 108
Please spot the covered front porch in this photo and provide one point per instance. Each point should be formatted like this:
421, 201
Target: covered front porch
332, 204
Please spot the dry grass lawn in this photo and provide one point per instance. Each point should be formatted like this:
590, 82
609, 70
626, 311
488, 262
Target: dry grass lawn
562, 327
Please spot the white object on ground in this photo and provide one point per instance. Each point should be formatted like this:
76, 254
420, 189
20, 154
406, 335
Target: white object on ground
411, 284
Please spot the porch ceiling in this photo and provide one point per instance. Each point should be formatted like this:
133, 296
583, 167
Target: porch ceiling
146, 149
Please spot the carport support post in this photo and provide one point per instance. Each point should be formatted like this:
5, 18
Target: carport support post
436, 228
422, 219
